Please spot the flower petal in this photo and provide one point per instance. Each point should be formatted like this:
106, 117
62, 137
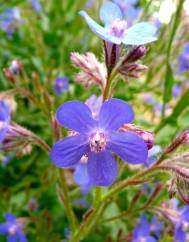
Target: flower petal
10, 217
99, 30
114, 113
81, 177
129, 147
21, 236
4, 228
76, 116
67, 152
110, 11
12, 238
139, 34
102, 169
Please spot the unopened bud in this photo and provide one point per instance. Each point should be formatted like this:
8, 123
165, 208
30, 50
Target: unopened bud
135, 54
92, 72
132, 70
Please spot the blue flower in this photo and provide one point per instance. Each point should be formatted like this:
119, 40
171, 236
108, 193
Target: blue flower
12, 229
36, 5
147, 231
9, 19
184, 59
97, 139
61, 84
90, 3
4, 120
182, 225
116, 30
177, 90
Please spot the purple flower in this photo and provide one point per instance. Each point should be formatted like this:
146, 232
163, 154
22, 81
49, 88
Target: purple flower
184, 59
61, 84
182, 225
36, 5
116, 29
9, 19
4, 120
147, 231
12, 229
97, 139
177, 90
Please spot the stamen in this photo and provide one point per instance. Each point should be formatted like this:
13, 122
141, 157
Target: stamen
97, 142
118, 28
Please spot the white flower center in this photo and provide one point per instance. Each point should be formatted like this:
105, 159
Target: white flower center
1, 125
185, 225
84, 159
142, 239
12, 230
97, 142
118, 28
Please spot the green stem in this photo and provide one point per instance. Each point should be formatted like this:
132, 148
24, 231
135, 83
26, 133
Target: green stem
88, 222
67, 203
97, 196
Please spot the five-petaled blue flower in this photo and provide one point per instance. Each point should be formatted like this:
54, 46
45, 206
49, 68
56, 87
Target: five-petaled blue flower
147, 231
61, 84
12, 229
97, 139
4, 120
184, 59
116, 30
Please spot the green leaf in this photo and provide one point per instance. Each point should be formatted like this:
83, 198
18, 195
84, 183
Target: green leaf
169, 82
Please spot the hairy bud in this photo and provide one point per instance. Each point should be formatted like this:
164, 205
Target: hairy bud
92, 72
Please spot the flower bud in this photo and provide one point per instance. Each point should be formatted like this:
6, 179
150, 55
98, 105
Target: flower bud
135, 54
91, 72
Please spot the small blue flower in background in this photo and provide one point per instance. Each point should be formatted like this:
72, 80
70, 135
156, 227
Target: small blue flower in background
184, 59
116, 28
152, 154
90, 3
177, 90
61, 84
97, 139
5, 160
36, 5
128, 9
81, 176
12, 229
147, 231
182, 225
4, 120
9, 20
